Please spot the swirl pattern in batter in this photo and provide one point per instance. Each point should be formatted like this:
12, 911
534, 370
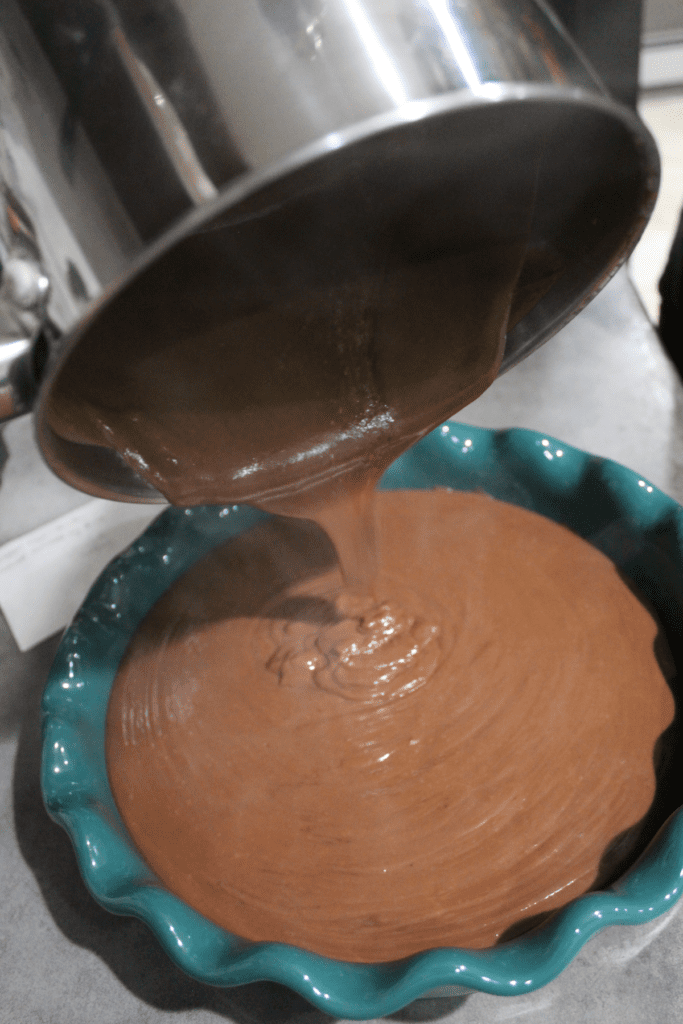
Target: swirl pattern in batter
372, 779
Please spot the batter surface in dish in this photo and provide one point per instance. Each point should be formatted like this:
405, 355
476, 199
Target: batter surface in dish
368, 778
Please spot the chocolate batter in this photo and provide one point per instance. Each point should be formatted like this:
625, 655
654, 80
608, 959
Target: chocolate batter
368, 778
286, 404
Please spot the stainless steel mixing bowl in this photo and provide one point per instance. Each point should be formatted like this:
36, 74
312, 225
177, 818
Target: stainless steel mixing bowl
169, 160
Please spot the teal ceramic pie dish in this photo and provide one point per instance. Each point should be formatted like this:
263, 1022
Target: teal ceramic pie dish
620, 513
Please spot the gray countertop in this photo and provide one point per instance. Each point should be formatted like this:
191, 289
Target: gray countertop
603, 384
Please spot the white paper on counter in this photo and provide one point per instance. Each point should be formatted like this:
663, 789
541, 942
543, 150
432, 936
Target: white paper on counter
46, 573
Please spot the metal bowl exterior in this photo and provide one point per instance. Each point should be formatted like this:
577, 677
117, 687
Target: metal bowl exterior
632, 522
117, 120
156, 111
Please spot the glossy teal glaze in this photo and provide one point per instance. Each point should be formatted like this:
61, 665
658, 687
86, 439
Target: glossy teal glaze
632, 522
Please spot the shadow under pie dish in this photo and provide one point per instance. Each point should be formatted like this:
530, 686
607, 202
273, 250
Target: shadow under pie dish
636, 526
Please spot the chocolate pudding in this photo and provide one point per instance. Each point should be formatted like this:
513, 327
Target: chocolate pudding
370, 777
292, 404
